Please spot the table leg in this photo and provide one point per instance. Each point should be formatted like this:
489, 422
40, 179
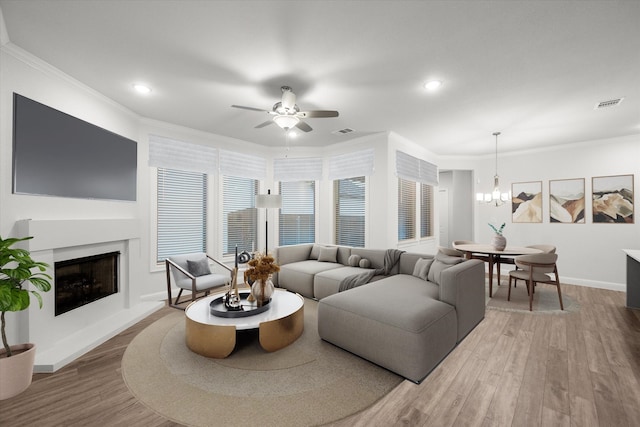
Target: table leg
490, 275
498, 268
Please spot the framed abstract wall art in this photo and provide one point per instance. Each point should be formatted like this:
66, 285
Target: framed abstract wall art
612, 199
566, 201
526, 201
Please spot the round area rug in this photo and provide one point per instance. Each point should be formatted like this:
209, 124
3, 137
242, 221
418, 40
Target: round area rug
310, 382
545, 299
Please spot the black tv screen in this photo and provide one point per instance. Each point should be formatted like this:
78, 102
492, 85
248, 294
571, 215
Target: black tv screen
57, 154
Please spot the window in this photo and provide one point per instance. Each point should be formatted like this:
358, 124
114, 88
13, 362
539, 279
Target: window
297, 214
239, 214
182, 212
406, 209
426, 210
349, 197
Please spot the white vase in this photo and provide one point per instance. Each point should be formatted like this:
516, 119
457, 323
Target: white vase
262, 292
499, 242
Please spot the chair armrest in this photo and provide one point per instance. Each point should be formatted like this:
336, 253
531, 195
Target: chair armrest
170, 263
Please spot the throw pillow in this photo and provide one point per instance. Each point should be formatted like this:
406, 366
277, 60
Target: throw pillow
328, 254
198, 268
440, 263
354, 260
315, 251
421, 270
364, 263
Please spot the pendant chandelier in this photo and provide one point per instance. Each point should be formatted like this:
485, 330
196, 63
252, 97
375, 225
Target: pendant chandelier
496, 197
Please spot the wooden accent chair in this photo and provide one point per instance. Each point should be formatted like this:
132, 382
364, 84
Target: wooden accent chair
536, 268
193, 273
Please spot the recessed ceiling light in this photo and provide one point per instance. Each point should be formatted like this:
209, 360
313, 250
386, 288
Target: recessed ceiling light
141, 88
432, 84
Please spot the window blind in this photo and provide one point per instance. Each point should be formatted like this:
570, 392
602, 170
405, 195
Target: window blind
355, 164
179, 155
182, 213
242, 165
426, 210
414, 169
349, 208
297, 169
297, 221
239, 214
406, 209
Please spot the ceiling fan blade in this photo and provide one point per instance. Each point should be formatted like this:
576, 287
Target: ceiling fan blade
263, 124
318, 113
303, 126
250, 108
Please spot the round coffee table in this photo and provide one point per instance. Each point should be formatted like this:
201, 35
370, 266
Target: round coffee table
214, 336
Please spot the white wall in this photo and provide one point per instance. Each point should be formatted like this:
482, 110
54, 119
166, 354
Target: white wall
589, 254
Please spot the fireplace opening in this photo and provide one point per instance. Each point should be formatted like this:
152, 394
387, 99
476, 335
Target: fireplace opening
84, 280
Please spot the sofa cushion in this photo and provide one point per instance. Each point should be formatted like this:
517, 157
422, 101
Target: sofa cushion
328, 254
315, 251
440, 263
298, 276
328, 282
421, 270
198, 267
364, 263
354, 260
375, 257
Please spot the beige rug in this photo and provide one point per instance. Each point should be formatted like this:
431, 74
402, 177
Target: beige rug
545, 299
311, 382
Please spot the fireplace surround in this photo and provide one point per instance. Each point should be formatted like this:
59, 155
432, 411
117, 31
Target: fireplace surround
62, 338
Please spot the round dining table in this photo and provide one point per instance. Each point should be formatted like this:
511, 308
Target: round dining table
492, 256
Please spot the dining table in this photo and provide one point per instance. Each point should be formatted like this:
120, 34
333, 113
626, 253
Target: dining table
493, 256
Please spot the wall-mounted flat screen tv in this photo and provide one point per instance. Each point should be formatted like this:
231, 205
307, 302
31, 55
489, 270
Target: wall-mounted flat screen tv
56, 154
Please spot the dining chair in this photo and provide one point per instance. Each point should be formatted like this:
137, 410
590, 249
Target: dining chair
547, 249
470, 242
536, 268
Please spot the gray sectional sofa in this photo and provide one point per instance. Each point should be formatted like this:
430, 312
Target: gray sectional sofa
405, 313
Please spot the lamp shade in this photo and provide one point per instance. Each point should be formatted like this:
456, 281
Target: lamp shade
286, 121
268, 201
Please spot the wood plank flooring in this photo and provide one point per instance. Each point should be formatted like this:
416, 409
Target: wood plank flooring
514, 369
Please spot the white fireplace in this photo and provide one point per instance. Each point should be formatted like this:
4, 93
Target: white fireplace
61, 339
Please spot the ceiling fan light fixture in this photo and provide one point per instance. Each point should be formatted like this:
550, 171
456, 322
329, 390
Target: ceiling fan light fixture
432, 85
285, 121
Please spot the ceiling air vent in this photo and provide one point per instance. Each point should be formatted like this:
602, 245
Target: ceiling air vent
607, 104
343, 131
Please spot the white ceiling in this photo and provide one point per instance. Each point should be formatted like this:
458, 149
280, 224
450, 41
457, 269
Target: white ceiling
533, 70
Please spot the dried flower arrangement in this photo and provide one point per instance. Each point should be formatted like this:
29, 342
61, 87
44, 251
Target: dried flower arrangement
260, 268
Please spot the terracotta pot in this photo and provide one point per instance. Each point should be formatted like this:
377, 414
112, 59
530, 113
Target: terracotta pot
499, 242
16, 371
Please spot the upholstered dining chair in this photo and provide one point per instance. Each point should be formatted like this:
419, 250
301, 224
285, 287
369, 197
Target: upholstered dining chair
536, 268
547, 249
192, 272
471, 242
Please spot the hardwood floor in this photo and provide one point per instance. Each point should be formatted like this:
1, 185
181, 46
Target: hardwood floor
514, 369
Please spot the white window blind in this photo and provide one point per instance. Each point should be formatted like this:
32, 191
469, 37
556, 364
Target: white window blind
239, 214
406, 209
349, 199
182, 212
426, 210
355, 164
414, 169
173, 154
297, 221
242, 165
297, 169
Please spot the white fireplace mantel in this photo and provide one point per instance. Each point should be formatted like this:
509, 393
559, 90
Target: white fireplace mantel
61, 339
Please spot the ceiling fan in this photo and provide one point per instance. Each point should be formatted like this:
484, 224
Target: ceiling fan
286, 113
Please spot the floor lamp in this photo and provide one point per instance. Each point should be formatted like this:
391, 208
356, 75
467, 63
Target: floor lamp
268, 201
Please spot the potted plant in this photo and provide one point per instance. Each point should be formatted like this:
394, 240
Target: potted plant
499, 242
17, 269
